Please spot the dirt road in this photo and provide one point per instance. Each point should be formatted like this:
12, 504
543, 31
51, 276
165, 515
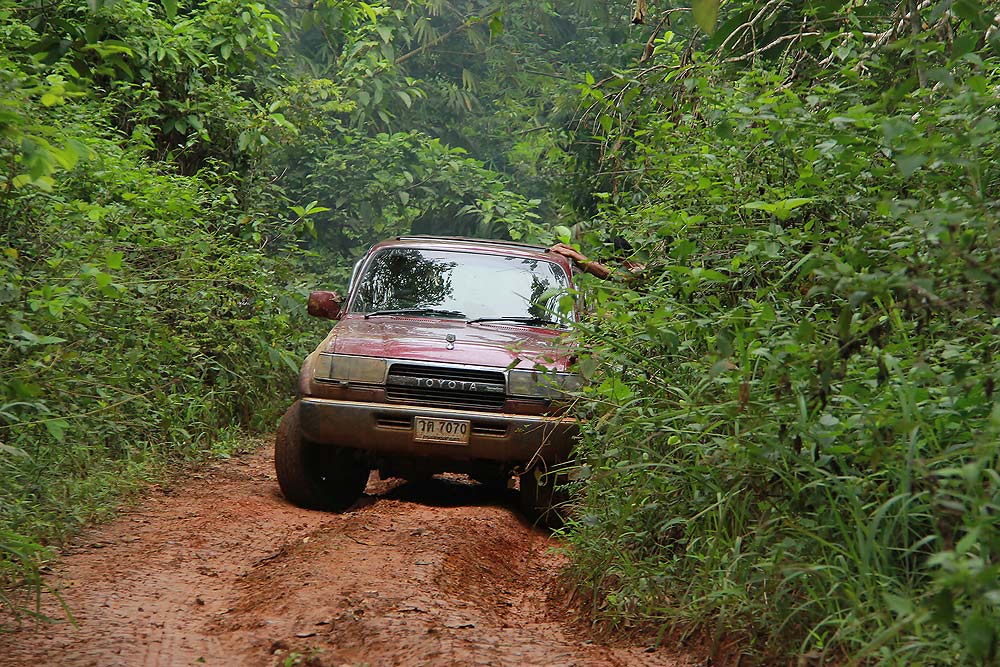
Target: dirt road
220, 570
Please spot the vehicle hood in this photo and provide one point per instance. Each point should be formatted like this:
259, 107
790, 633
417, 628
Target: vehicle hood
426, 339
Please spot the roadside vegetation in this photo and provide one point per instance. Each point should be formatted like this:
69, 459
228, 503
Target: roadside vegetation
792, 435
795, 446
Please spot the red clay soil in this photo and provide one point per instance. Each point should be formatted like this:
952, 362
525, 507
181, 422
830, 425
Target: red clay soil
220, 570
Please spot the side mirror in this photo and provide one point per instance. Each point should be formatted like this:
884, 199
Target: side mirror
325, 304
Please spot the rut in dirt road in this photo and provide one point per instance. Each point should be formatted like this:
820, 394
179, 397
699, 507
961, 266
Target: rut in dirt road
220, 570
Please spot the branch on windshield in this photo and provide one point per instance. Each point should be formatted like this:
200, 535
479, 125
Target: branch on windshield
588, 265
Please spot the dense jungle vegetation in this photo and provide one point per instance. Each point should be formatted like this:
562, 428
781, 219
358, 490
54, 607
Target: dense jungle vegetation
793, 434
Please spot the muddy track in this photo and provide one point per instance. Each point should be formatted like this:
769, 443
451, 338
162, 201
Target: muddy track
220, 570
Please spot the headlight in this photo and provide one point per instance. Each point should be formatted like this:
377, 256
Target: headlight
541, 384
346, 368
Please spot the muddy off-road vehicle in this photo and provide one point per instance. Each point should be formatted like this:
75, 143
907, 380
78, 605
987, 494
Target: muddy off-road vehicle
448, 355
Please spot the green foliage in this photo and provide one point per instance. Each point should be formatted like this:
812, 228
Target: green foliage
705, 13
374, 187
449, 72
19, 566
143, 311
792, 422
793, 426
127, 289
371, 154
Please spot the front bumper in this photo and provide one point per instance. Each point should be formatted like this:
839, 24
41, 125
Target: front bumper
386, 429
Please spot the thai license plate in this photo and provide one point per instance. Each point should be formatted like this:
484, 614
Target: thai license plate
429, 429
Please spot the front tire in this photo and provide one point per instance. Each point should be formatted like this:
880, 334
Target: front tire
313, 475
541, 502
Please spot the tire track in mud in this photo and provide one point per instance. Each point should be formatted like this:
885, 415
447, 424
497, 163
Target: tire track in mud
220, 570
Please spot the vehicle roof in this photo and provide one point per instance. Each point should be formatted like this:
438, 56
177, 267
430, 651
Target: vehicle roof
484, 246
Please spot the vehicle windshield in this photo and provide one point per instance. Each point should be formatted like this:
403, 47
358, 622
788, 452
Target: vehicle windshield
468, 285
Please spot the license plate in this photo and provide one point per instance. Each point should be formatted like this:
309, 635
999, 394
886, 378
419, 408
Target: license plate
453, 431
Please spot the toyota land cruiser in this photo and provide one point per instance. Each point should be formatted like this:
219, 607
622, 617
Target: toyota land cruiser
447, 355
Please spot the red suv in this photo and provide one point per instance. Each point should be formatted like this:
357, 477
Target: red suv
448, 355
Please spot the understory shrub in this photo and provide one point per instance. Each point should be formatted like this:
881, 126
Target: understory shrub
793, 429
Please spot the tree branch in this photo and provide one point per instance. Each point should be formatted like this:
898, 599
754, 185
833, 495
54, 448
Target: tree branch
749, 25
758, 51
915, 32
647, 51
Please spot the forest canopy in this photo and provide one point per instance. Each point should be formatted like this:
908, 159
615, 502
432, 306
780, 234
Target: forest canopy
792, 421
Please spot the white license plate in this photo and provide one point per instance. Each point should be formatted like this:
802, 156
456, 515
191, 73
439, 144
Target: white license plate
429, 429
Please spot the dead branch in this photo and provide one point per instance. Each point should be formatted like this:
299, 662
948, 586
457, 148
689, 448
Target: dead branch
766, 47
751, 24
641, 10
647, 51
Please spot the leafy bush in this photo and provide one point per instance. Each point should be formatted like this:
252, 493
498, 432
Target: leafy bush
143, 310
793, 433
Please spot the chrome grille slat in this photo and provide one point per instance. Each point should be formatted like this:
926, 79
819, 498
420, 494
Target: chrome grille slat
447, 373
400, 386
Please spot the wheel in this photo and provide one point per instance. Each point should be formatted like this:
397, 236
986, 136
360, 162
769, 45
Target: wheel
541, 501
316, 476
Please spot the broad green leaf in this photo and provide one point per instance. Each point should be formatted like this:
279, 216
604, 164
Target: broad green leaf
57, 428
828, 420
968, 541
909, 163
496, 26
899, 605
782, 209
588, 367
970, 10
706, 12
66, 158
980, 634
709, 274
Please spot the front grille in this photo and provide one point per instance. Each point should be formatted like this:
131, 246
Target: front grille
442, 386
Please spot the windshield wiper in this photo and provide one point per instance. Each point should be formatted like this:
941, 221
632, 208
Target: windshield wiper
418, 311
519, 320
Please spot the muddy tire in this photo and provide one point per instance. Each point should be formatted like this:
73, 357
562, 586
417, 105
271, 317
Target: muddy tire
541, 502
316, 476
